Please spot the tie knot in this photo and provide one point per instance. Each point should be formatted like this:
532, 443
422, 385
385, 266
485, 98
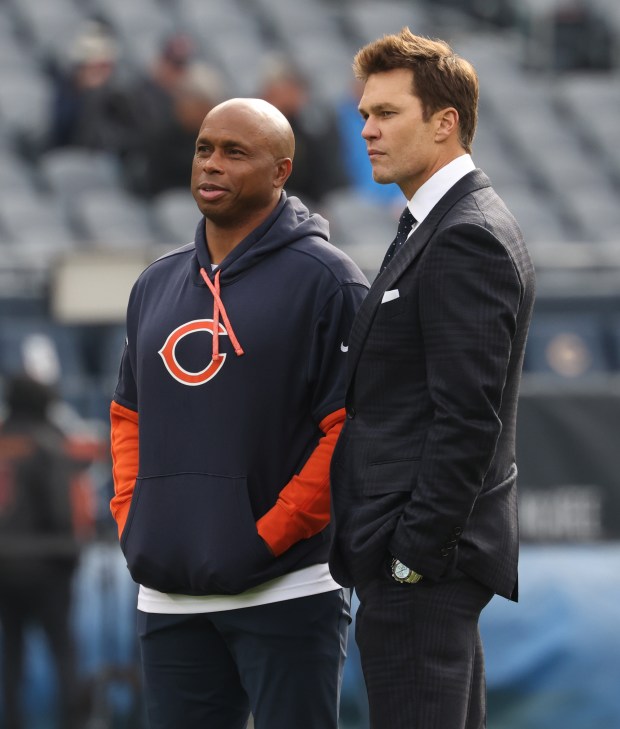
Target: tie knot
404, 226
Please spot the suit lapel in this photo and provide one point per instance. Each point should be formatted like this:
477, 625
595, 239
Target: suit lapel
404, 257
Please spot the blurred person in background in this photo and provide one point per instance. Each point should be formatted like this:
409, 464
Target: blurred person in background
164, 139
424, 480
40, 537
87, 102
318, 155
227, 408
153, 92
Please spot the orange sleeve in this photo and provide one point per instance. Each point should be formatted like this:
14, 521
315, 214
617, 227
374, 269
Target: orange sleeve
124, 445
303, 506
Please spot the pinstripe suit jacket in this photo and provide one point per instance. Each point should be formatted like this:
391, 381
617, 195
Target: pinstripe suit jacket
425, 466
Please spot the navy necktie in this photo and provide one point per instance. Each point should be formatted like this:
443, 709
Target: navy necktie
405, 224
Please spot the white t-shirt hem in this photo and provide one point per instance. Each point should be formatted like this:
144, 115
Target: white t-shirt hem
311, 580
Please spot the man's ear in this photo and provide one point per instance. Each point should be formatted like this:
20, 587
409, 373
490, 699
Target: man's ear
447, 123
283, 170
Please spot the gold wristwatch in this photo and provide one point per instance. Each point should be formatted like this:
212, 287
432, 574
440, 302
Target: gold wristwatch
402, 573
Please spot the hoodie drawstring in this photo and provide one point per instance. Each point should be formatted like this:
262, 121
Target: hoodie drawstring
218, 308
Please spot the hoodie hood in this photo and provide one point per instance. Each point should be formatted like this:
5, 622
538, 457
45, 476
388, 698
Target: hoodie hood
289, 221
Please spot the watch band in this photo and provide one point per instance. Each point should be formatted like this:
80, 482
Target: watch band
402, 573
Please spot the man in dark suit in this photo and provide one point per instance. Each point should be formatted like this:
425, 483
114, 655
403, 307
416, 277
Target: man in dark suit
423, 476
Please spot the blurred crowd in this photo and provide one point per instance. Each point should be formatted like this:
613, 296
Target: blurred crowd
47, 514
149, 121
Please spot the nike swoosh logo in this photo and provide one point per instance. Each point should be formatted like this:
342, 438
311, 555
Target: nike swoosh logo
343, 348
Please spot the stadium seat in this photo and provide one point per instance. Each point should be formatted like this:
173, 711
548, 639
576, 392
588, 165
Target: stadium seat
15, 174
14, 55
561, 37
596, 210
114, 219
355, 220
495, 158
287, 18
72, 171
50, 27
36, 225
361, 227
368, 20
176, 215
537, 213
25, 97
235, 43
577, 96
140, 25
237, 51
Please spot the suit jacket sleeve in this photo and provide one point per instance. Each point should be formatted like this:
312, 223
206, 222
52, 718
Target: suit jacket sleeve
469, 298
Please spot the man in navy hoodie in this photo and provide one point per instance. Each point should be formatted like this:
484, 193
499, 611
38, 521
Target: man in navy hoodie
228, 406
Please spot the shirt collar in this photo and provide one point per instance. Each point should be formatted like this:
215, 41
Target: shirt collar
436, 187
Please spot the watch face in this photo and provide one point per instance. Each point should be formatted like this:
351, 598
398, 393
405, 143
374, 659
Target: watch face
401, 571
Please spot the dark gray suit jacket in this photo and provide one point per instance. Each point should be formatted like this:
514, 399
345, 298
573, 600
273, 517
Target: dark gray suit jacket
425, 468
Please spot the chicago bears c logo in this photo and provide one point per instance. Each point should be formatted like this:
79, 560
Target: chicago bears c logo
167, 353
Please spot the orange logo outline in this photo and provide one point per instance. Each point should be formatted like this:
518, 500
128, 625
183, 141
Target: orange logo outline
167, 353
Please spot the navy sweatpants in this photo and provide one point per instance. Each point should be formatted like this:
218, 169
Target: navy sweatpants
282, 662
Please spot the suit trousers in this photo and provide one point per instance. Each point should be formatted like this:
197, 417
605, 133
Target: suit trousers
282, 662
421, 652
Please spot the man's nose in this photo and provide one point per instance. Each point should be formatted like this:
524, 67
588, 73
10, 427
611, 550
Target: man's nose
369, 130
213, 162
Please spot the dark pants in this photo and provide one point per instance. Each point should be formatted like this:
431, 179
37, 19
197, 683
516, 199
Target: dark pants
281, 662
421, 652
37, 596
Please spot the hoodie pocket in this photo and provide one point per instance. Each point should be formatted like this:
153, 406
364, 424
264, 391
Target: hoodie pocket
194, 533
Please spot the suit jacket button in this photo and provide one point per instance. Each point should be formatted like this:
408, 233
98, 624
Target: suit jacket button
351, 413
457, 531
445, 552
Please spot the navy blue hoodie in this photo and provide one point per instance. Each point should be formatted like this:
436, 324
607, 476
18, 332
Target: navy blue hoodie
218, 440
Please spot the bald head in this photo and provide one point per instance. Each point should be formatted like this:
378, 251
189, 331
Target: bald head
242, 160
260, 115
